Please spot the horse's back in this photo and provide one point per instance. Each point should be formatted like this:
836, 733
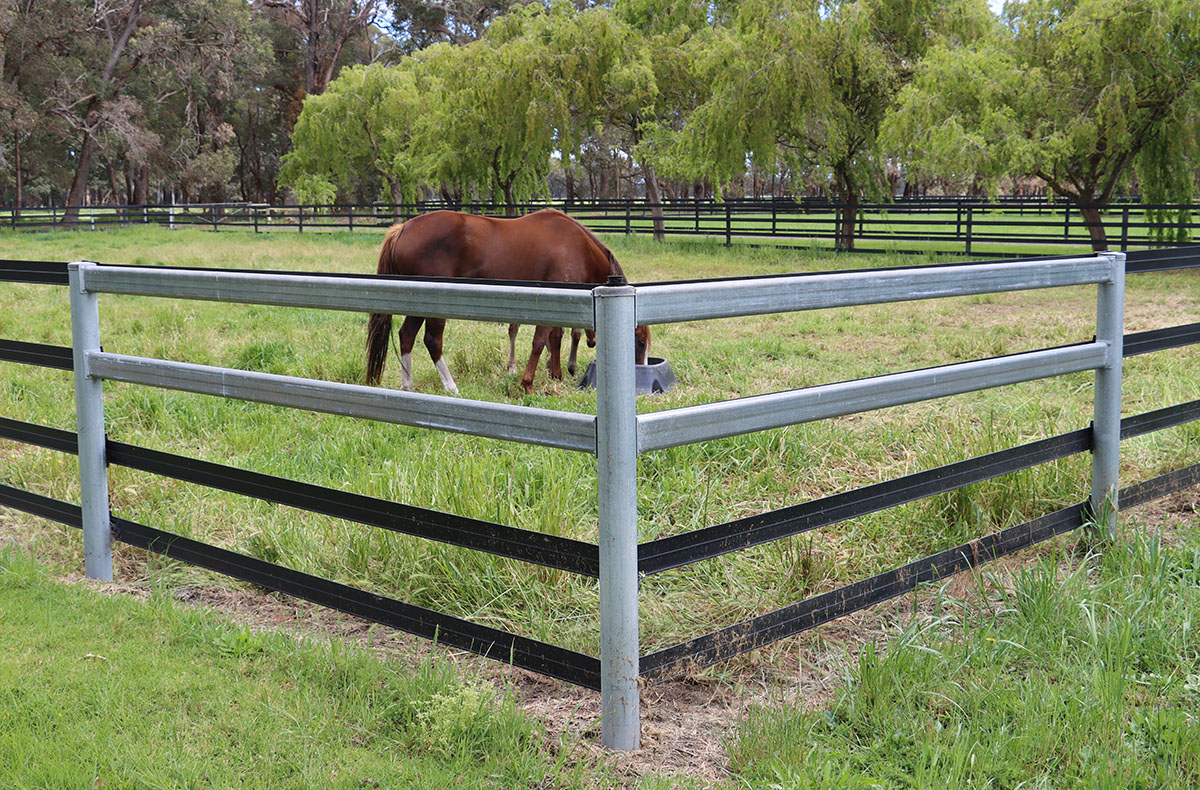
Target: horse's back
546, 245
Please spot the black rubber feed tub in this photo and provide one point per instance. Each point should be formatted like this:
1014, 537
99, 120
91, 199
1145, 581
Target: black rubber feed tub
653, 377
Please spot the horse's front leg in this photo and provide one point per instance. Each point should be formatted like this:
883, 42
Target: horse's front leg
433, 341
512, 347
540, 336
576, 334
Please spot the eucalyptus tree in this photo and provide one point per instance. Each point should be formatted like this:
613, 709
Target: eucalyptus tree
1073, 93
362, 125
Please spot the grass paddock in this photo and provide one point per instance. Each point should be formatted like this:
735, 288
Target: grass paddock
680, 489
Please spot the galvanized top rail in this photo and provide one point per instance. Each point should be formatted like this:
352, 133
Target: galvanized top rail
667, 303
472, 301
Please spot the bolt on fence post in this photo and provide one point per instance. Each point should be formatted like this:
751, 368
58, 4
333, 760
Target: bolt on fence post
616, 468
1106, 426
89, 419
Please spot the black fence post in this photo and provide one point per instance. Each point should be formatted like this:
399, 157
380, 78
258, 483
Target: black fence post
970, 222
301, 215
254, 214
1067, 223
213, 209
696, 208
628, 216
837, 227
728, 224
773, 212
351, 216
1125, 228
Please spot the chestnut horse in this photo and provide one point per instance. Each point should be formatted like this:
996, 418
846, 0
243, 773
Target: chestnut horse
544, 246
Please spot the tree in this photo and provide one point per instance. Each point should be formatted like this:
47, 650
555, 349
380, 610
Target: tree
1072, 93
492, 126
807, 85
361, 125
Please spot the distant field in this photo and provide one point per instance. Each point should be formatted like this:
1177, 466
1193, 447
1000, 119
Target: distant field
554, 491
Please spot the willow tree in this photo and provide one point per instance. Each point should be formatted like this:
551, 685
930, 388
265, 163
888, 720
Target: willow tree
361, 127
808, 85
492, 127
1072, 93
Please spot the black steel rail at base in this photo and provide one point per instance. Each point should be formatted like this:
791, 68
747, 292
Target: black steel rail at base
541, 657
760, 631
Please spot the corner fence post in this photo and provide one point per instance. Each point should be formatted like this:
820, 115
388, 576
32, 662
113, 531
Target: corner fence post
89, 420
1106, 426
616, 469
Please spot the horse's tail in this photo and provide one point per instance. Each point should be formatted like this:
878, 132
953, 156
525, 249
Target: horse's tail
379, 332
379, 327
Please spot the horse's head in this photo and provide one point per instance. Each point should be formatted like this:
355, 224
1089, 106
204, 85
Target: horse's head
641, 345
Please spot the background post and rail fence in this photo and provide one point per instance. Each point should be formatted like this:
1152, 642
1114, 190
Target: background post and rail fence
616, 435
1001, 227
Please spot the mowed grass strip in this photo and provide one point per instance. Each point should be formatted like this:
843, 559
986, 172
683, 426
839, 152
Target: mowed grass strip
108, 691
680, 489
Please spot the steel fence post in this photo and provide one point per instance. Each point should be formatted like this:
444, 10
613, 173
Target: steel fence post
616, 465
89, 420
1106, 426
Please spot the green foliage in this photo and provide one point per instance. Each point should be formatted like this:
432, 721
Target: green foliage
1061, 680
362, 126
1057, 92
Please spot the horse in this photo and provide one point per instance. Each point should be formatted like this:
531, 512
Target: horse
545, 246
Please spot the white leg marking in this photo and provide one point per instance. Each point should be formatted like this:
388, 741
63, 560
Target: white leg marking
512, 348
406, 371
447, 380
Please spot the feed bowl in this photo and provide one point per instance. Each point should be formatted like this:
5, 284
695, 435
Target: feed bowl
653, 377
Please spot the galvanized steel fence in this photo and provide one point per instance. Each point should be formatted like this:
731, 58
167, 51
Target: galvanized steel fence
616, 435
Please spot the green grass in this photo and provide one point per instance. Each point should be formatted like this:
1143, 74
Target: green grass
554, 491
1083, 677
107, 691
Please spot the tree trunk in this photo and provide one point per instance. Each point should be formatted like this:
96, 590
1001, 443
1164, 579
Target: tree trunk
569, 177
654, 196
19, 197
1095, 226
845, 239
509, 200
397, 199
79, 183
141, 185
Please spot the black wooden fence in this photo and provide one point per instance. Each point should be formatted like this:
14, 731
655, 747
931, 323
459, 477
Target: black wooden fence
1005, 227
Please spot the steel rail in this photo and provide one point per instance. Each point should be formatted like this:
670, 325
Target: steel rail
690, 424
661, 304
563, 430
473, 301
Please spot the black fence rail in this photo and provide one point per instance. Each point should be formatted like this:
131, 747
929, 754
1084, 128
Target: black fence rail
1003, 227
582, 558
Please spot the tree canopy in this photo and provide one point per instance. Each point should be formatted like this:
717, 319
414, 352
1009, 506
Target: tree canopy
1074, 94
142, 100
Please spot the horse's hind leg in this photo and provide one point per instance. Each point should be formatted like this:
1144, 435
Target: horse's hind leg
554, 340
408, 336
576, 334
512, 347
540, 336
433, 341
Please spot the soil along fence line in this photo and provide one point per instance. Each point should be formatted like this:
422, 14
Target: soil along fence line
1005, 227
615, 435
